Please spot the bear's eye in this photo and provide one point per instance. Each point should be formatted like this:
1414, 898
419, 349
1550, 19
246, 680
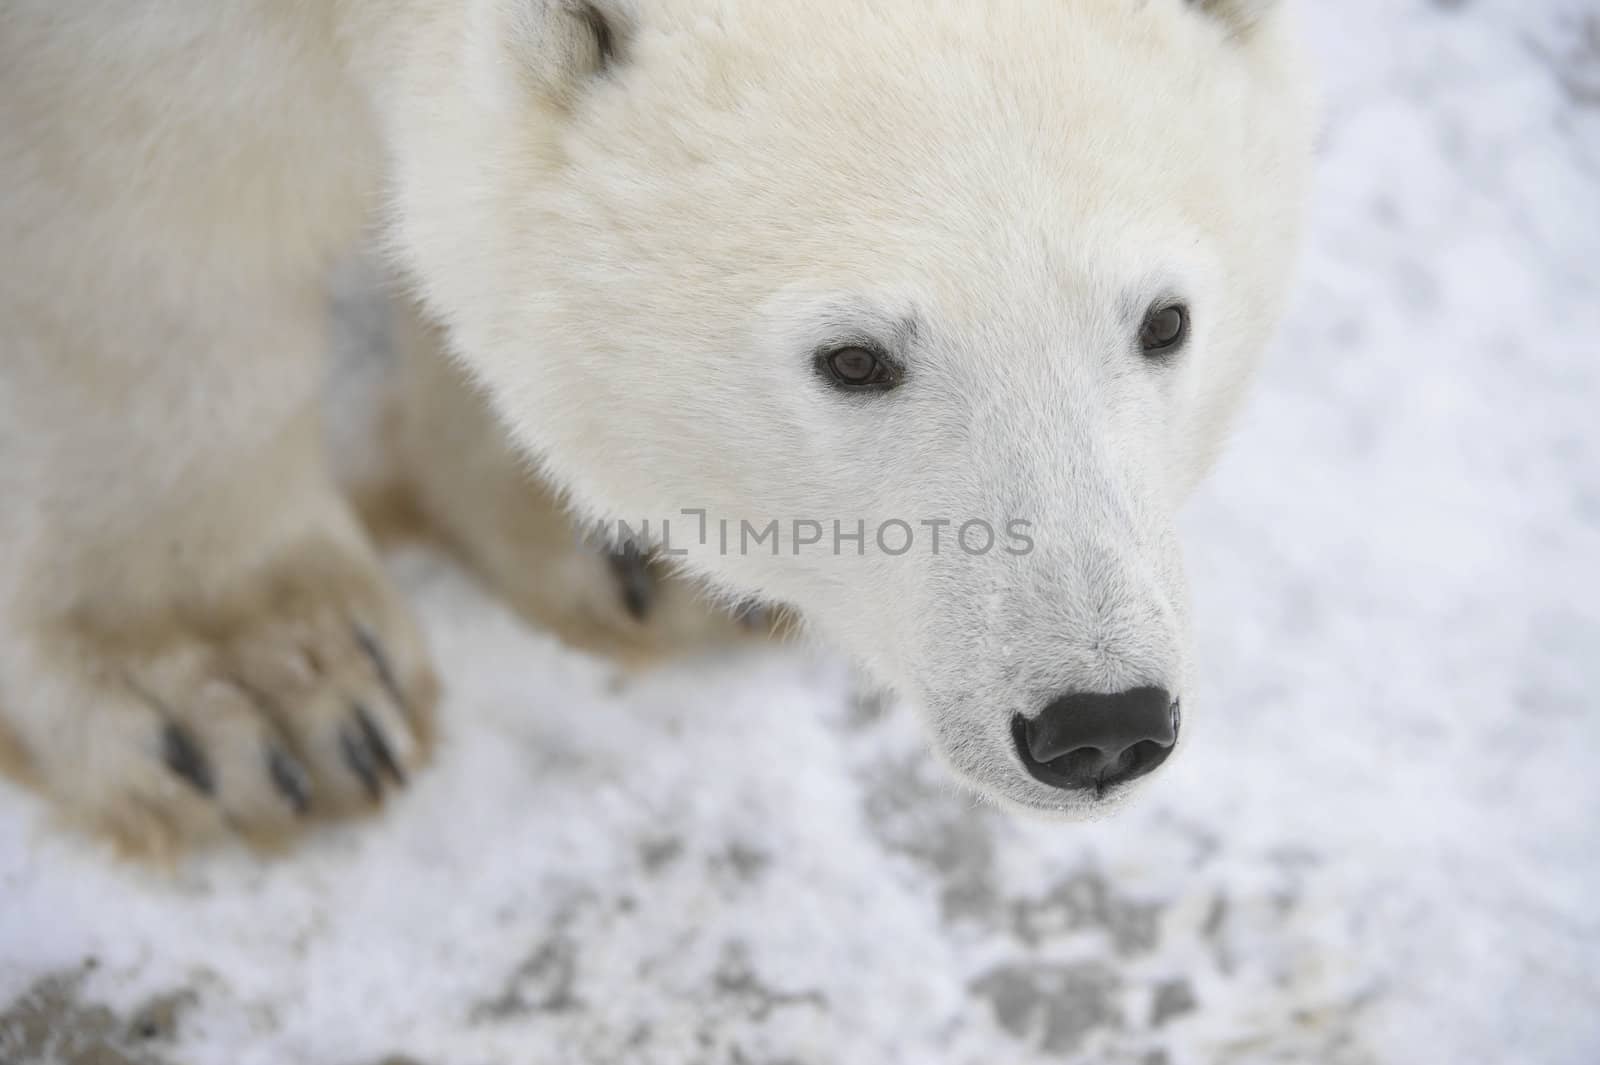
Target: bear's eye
858, 369
1165, 329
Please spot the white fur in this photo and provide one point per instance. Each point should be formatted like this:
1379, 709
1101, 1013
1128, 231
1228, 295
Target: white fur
638, 263
1023, 177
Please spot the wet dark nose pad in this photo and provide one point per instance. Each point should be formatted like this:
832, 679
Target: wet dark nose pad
1093, 741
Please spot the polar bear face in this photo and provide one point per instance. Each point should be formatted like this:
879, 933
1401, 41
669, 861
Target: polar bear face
981, 281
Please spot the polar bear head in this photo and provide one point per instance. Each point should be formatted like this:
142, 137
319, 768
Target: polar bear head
922, 316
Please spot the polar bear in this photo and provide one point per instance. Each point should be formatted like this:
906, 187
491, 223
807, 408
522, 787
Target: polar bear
842, 275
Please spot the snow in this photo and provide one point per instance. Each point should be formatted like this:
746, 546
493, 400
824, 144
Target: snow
1380, 846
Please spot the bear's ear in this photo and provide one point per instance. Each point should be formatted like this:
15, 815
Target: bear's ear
1241, 16
555, 47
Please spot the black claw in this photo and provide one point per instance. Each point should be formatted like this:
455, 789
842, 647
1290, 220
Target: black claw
290, 778
380, 663
184, 757
379, 746
632, 571
361, 759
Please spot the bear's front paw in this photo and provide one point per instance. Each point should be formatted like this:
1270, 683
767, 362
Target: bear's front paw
308, 695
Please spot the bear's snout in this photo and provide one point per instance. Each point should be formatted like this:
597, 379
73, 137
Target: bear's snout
1090, 741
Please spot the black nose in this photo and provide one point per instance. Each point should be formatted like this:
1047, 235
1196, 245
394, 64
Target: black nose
1090, 742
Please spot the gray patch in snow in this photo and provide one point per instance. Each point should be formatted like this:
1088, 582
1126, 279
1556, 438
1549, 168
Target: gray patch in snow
657, 854
1203, 842
51, 1022
1086, 900
736, 1056
939, 830
1214, 930
736, 978
1172, 999
1053, 1007
746, 862
1571, 51
545, 983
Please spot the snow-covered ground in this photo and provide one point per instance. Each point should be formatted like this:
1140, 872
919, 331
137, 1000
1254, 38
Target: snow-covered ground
1381, 845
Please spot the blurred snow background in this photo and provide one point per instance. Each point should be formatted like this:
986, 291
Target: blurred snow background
1380, 847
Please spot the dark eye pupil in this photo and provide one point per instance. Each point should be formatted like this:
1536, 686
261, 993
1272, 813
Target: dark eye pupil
854, 366
1164, 328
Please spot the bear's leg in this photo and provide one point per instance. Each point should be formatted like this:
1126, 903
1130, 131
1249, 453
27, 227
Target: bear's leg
510, 527
196, 638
